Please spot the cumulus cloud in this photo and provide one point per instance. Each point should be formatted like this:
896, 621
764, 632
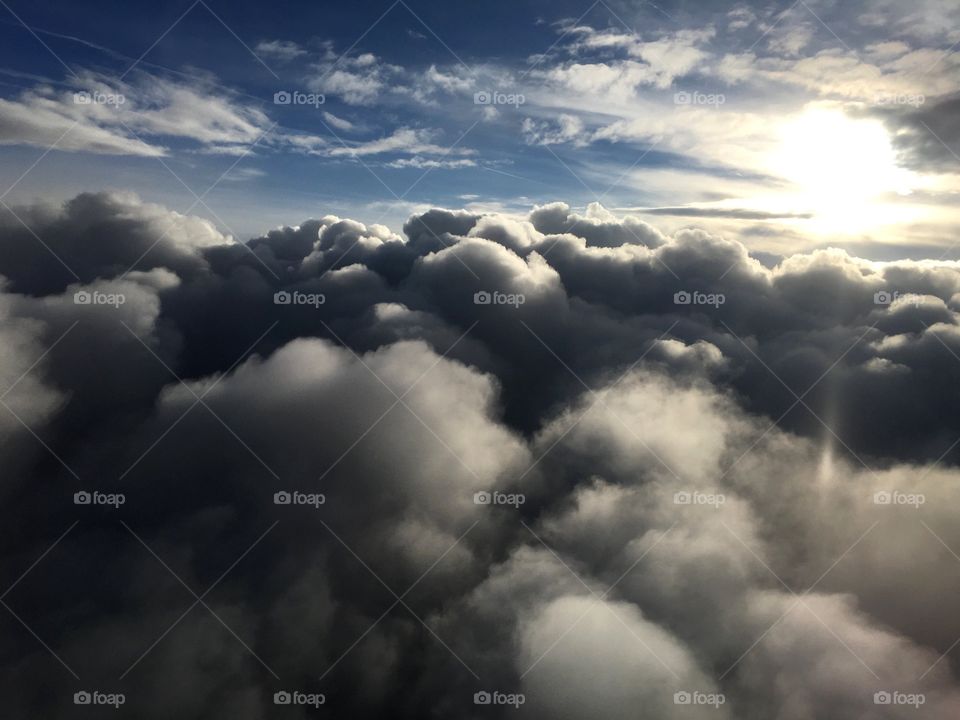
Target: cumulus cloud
567, 128
355, 79
562, 455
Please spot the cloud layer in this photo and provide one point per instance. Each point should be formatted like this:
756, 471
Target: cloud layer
737, 479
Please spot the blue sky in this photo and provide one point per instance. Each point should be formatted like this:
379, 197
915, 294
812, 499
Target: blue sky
787, 125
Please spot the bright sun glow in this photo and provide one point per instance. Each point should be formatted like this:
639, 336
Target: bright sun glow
841, 169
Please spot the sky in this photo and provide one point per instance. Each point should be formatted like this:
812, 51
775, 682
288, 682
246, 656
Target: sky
798, 125
549, 361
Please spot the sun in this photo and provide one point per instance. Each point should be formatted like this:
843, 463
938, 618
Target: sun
841, 170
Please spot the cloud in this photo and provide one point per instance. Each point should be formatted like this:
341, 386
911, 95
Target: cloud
404, 140
721, 212
926, 134
568, 128
243, 174
421, 163
687, 524
355, 79
659, 61
633, 661
41, 122
283, 50
338, 122
446, 82
104, 116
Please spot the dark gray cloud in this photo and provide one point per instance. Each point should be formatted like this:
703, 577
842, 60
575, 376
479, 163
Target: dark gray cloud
598, 367
928, 136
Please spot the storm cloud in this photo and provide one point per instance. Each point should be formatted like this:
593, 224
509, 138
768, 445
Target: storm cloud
565, 459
